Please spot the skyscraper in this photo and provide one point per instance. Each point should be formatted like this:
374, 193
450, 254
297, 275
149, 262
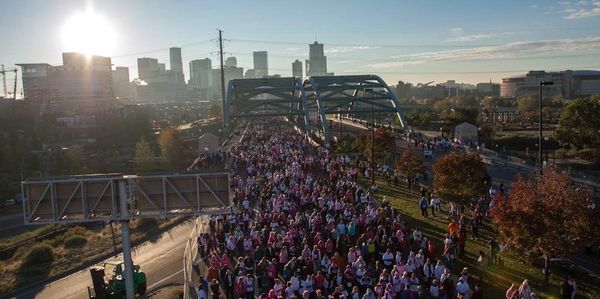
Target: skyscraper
201, 73
231, 61
176, 71
297, 68
175, 59
261, 64
316, 65
121, 85
148, 69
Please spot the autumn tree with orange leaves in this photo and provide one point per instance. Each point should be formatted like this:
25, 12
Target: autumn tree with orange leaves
547, 214
460, 177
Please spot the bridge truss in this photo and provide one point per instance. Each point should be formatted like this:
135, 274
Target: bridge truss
358, 96
268, 97
307, 104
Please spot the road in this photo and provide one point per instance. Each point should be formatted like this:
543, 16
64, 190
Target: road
160, 259
499, 174
13, 225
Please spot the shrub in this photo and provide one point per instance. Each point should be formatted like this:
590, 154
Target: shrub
589, 154
561, 153
147, 224
75, 241
39, 254
76, 230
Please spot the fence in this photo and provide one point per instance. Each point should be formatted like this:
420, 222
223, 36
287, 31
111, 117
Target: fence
189, 257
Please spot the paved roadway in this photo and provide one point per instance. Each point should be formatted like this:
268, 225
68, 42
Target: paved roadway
499, 174
13, 225
160, 259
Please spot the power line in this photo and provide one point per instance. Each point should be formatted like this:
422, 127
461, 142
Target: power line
367, 45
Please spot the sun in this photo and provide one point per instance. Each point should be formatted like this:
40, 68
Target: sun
90, 33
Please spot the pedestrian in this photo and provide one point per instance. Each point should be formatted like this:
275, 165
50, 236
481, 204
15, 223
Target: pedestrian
482, 263
524, 290
493, 246
475, 228
215, 289
423, 205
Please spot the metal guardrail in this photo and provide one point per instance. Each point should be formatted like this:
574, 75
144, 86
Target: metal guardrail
189, 257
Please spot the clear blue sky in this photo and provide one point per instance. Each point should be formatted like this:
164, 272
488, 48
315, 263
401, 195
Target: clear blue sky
414, 41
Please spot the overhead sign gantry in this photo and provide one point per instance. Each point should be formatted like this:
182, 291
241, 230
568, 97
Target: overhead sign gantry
117, 197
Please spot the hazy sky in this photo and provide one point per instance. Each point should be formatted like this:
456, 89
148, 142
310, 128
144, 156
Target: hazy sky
414, 41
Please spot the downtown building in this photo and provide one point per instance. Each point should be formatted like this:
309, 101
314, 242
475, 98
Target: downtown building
297, 69
156, 84
567, 84
82, 85
316, 64
261, 64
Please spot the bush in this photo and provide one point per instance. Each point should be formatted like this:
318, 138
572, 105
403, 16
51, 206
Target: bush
76, 230
147, 224
39, 254
561, 153
589, 154
75, 241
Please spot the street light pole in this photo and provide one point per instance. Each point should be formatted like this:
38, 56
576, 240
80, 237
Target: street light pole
372, 145
541, 165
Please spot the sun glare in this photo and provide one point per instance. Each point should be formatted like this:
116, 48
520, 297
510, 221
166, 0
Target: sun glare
89, 33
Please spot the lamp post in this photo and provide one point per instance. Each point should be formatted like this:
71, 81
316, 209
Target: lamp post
542, 83
372, 144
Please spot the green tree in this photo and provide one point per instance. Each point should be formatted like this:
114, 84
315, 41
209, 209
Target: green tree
528, 105
344, 144
214, 110
457, 116
579, 124
409, 164
460, 177
486, 135
419, 118
547, 214
172, 148
144, 157
75, 160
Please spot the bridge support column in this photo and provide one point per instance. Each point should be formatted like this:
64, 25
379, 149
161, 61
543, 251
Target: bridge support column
126, 240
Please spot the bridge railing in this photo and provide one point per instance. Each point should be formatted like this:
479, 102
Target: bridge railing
189, 259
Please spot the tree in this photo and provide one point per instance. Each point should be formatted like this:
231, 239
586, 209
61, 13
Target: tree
419, 118
579, 124
547, 214
214, 110
344, 144
75, 158
409, 164
460, 177
385, 145
144, 157
171, 148
486, 135
457, 116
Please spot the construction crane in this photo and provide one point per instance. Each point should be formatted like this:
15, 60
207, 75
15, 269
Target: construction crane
3, 73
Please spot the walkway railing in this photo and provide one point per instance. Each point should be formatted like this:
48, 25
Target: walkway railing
189, 258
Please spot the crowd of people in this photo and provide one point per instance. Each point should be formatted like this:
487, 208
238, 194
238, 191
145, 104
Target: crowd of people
302, 227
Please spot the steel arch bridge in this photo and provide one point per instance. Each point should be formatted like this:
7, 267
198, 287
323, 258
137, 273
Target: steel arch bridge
306, 104
268, 97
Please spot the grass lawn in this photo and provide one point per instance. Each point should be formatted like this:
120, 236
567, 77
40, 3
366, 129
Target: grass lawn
497, 279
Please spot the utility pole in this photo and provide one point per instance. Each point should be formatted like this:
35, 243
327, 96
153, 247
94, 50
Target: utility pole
4, 81
540, 161
223, 110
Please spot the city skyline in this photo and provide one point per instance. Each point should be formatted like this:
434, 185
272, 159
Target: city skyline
415, 42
